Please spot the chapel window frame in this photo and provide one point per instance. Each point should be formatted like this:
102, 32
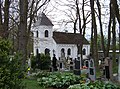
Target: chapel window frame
47, 51
46, 33
69, 51
37, 34
84, 51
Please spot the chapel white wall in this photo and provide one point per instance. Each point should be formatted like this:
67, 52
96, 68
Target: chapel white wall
41, 43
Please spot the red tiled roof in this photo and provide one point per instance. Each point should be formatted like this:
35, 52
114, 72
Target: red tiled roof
68, 38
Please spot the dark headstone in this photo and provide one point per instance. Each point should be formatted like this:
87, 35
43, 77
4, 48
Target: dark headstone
60, 65
91, 71
77, 64
77, 67
54, 63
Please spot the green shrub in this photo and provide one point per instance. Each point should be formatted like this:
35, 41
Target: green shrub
41, 74
58, 79
45, 62
42, 62
11, 73
94, 85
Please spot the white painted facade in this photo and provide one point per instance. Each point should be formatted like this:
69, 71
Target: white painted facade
41, 43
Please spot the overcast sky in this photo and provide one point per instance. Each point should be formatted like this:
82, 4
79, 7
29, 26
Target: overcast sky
56, 13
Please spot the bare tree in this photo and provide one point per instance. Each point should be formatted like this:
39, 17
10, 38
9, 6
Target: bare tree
101, 28
109, 32
34, 7
94, 34
116, 9
26, 20
78, 17
22, 30
4, 18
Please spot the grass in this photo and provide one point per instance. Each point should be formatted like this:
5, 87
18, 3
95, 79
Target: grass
32, 84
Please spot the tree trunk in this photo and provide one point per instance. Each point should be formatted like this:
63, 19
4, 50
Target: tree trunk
84, 20
101, 29
75, 25
28, 39
92, 40
119, 57
116, 9
22, 31
80, 29
95, 45
95, 55
109, 32
0, 13
119, 70
114, 43
4, 25
6, 18
1, 24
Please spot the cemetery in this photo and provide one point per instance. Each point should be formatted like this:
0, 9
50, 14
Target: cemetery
44, 73
71, 75
59, 44
65, 69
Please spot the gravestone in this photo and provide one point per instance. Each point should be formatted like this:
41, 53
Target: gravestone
89, 63
54, 63
77, 67
62, 61
92, 72
107, 70
70, 64
108, 66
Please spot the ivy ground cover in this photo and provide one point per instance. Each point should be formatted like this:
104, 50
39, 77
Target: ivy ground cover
58, 80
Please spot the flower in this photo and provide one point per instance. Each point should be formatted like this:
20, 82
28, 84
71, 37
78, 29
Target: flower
85, 67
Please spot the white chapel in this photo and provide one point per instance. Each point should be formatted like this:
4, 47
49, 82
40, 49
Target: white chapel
48, 41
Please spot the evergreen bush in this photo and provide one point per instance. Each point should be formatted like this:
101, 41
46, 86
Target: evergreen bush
41, 61
11, 73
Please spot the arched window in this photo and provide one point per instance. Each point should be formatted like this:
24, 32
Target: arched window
87, 64
62, 52
69, 51
46, 33
84, 51
47, 51
37, 33
91, 63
